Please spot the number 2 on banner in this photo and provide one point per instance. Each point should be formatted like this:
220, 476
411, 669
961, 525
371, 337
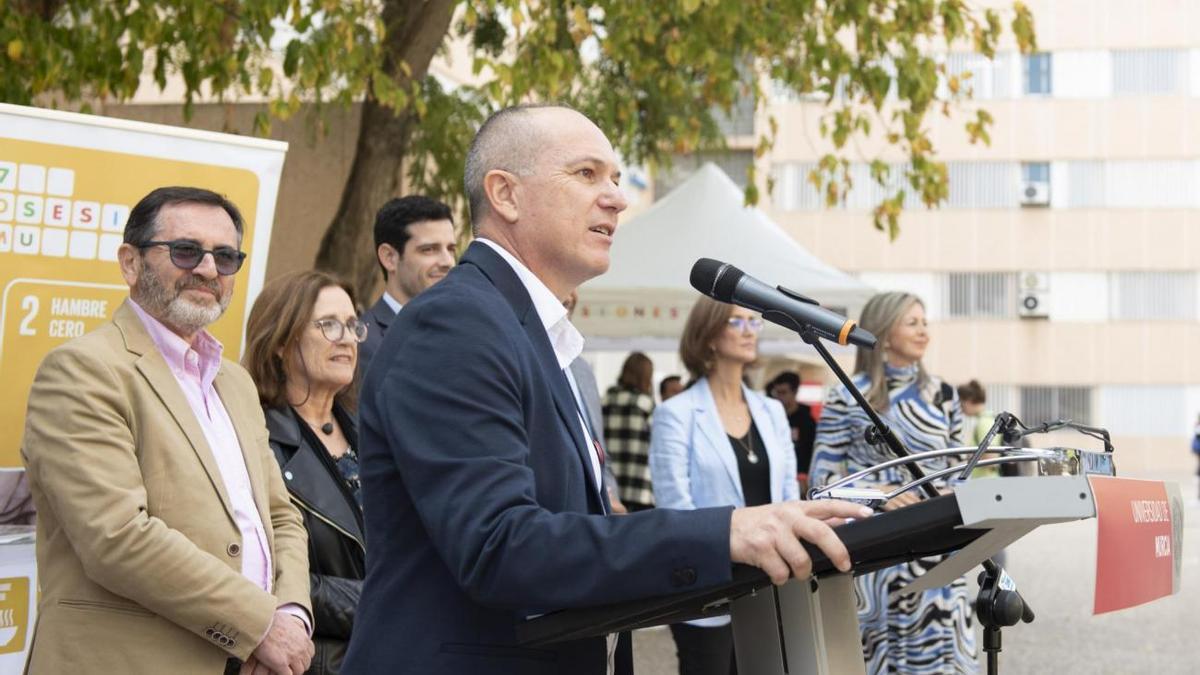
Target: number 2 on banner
29, 303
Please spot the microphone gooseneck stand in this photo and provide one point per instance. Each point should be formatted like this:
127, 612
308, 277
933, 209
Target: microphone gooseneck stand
999, 604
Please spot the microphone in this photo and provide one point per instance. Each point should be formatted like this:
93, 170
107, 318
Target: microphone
724, 282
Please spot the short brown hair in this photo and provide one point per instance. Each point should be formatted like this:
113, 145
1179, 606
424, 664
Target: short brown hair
637, 373
704, 324
277, 321
143, 218
972, 392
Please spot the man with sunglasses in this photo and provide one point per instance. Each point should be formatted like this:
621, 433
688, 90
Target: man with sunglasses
166, 539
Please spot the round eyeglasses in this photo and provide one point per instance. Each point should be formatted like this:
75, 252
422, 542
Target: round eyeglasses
187, 255
335, 330
742, 324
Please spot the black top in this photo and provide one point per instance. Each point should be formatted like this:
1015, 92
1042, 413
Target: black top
333, 520
755, 476
344, 467
804, 434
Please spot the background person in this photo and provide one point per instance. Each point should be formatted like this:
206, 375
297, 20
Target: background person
719, 443
1196, 444
415, 247
977, 421
784, 388
932, 631
301, 348
670, 386
583, 384
627, 407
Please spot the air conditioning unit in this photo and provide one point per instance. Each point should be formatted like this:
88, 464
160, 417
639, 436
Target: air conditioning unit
1033, 295
1035, 193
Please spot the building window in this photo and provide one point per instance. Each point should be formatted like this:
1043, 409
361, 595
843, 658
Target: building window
981, 295
982, 185
1035, 184
1037, 74
1048, 404
1144, 410
1035, 172
1153, 296
1145, 72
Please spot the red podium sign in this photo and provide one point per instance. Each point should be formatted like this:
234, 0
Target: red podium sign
1139, 544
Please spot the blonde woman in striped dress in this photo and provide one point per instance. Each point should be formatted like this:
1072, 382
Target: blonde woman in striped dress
930, 632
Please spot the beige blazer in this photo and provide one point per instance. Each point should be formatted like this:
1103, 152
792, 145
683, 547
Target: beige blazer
137, 550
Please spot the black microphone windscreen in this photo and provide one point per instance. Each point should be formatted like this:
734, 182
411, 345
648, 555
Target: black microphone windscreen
715, 278
726, 283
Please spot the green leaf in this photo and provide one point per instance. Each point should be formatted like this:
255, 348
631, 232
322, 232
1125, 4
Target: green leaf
291, 57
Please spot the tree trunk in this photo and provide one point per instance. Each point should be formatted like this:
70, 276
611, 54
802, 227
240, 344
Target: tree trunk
415, 30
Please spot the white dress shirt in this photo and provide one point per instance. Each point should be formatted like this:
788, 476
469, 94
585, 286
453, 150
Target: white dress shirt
567, 342
392, 302
565, 339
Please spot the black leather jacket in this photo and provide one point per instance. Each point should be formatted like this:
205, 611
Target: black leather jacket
336, 547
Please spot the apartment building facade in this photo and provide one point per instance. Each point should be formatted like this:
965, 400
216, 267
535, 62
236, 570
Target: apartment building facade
1063, 270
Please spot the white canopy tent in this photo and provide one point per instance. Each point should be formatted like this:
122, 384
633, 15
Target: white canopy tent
643, 300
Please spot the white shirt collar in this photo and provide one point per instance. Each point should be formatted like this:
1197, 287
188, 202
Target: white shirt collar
392, 302
564, 337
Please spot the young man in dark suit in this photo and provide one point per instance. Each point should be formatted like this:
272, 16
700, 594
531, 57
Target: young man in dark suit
415, 247
482, 490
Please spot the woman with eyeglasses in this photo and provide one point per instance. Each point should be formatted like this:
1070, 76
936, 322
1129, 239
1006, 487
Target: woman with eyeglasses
302, 350
719, 443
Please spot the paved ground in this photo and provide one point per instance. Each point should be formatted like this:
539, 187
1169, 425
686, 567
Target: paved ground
1055, 569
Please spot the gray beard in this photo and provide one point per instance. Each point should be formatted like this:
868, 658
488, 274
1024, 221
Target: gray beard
169, 305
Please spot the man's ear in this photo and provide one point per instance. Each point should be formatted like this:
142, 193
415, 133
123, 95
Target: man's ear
389, 257
129, 258
502, 190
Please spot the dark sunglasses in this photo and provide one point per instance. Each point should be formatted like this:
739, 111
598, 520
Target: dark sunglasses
187, 255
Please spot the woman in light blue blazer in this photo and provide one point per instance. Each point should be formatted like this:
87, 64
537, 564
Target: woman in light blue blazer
719, 443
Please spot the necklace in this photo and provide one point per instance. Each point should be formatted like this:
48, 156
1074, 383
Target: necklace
327, 428
751, 456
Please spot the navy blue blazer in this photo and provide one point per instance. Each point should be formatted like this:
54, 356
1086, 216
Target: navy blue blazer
377, 318
479, 498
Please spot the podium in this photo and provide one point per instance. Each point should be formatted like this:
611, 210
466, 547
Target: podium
811, 627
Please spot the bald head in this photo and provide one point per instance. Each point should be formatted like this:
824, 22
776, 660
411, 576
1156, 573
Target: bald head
508, 140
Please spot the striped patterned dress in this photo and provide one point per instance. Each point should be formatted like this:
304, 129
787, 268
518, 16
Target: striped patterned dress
931, 632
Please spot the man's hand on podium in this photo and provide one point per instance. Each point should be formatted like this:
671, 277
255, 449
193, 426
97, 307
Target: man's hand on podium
768, 537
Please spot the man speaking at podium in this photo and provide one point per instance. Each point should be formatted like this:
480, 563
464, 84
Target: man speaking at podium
482, 485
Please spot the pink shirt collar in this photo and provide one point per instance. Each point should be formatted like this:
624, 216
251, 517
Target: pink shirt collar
202, 357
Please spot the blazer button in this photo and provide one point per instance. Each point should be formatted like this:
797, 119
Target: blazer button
234, 550
689, 576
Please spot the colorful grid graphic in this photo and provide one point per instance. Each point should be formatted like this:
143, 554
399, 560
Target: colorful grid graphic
40, 214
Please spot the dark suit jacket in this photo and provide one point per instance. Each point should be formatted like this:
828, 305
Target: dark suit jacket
378, 318
480, 504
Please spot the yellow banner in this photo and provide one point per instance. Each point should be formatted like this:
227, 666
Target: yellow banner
63, 209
